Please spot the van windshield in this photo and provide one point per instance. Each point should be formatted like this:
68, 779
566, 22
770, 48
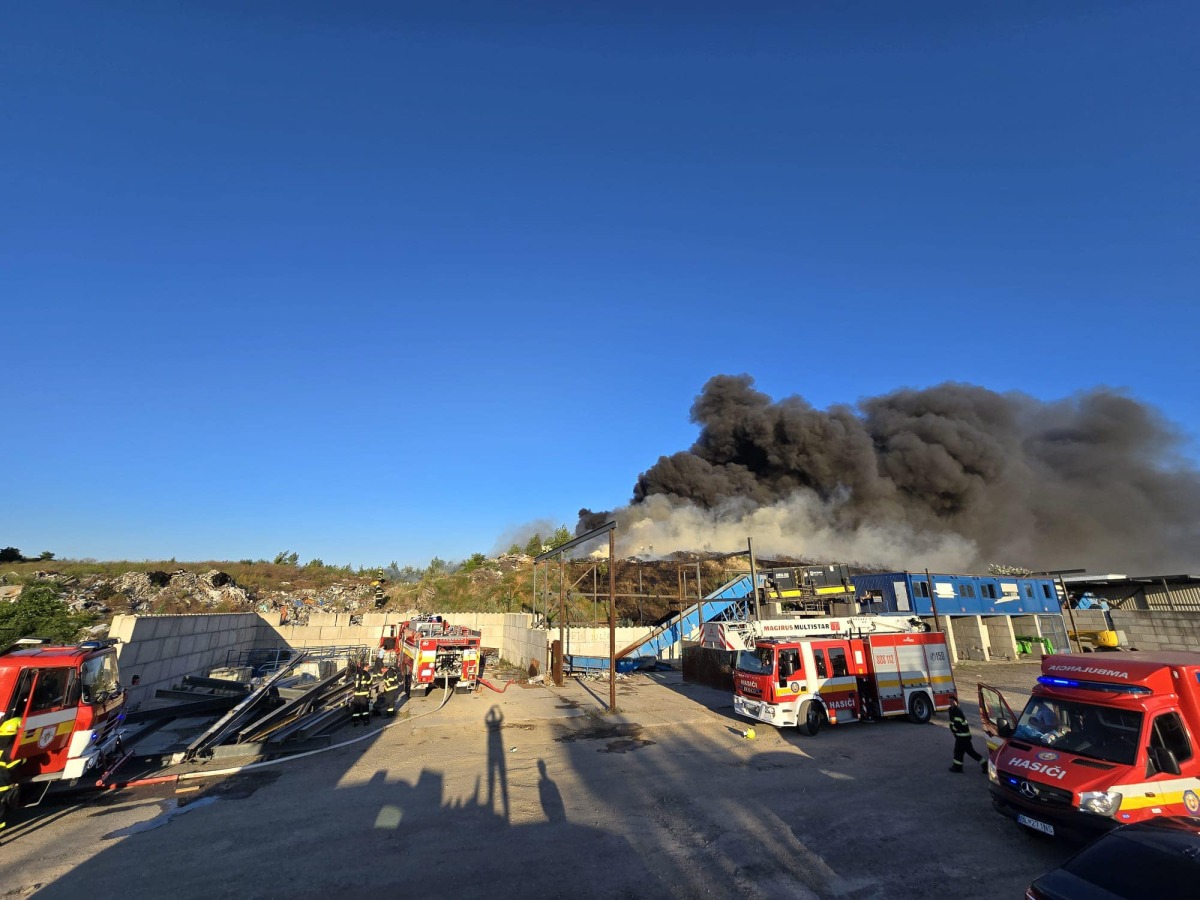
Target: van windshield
757, 662
1098, 732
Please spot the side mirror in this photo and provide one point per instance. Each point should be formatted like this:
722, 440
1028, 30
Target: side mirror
1004, 728
1163, 760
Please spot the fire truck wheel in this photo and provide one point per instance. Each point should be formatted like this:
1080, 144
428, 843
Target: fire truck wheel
920, 710
812, 717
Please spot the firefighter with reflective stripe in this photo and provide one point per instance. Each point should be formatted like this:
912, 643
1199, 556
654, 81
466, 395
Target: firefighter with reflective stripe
962, 738
360, 702
8, 787
380, 596
389, 689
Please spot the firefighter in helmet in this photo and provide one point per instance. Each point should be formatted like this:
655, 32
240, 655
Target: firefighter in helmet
961, 730
380, 596
360, 701
9, 730
389, 690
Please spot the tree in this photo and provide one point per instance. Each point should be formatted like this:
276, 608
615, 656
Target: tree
45, 556
287, 559
562, 535
476, 561
39, 612
534, 545
11, 554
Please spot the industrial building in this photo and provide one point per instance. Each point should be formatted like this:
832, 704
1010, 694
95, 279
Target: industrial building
1169, 593
985, 616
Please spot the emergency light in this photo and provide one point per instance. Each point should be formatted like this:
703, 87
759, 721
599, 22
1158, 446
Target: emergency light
1106, 686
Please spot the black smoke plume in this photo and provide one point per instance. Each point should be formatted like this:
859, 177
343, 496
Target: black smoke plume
949, 477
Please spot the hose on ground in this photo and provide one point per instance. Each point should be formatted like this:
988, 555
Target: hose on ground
488, 684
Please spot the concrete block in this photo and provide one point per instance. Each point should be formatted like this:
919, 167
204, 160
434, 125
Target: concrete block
152, 672
170, 647
149, 651
128, 655
122, 627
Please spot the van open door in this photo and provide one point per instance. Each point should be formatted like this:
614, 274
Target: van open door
996, 715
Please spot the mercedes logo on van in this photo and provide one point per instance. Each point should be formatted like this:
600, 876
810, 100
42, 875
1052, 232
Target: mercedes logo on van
1029, 790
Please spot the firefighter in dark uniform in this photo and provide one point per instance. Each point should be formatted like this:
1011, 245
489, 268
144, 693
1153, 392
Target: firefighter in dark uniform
380, 597
962, 738
8, 782
360, 702
385, 703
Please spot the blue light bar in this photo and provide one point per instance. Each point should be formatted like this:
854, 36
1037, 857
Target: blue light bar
1106, 686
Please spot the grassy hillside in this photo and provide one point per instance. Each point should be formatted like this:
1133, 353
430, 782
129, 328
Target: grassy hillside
647, 590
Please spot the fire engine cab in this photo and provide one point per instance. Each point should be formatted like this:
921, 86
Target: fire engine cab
1099, 744
69, 701
811, 682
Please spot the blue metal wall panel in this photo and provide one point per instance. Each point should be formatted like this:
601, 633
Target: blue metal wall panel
1034, 595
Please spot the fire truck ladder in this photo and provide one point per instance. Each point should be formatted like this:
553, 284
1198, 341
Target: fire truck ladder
728, 602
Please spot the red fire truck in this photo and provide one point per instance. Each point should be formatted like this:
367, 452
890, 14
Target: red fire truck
1103, 741
810, 682
69, 701
432, 651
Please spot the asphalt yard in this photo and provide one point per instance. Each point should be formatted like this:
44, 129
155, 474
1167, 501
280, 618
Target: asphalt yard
538, 791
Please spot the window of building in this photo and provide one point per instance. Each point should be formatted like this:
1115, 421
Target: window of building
1046, 591
1029, 591
920, 588
987, 590
966, 590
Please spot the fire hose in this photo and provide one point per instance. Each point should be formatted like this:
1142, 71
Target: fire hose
488, 684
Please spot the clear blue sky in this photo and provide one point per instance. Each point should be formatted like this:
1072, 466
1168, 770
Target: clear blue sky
383, 281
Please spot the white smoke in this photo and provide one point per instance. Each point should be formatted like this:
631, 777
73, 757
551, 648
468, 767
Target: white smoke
795, 527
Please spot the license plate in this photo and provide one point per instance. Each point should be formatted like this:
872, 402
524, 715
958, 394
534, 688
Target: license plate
1036, 825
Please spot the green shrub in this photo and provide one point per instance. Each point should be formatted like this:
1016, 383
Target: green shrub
39, 612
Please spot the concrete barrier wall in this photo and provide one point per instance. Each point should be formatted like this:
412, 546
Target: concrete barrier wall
330, 630
594, 641
523, 644
1146, 629
970, 637
1001, 642
160, 650
335, 630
